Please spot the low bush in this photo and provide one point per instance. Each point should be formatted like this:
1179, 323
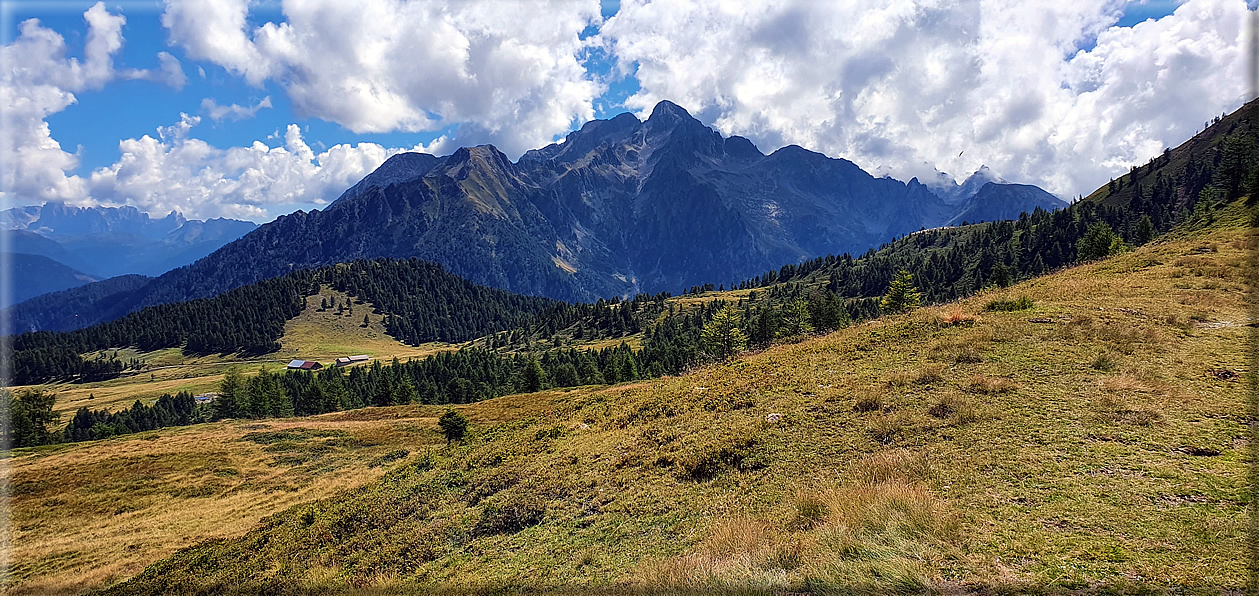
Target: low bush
1006, 305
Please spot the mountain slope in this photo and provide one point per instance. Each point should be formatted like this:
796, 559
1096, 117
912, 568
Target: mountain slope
58, 311
915, 452
997, 202
621, 206
34, 275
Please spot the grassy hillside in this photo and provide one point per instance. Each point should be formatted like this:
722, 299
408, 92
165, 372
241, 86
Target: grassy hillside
315, 334
89, 515
1095, 440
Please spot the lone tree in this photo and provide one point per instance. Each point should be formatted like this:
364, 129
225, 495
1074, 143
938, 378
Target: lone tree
454, 426
722, 337
902, 295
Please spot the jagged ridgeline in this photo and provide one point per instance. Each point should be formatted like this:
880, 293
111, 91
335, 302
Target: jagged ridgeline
422, 301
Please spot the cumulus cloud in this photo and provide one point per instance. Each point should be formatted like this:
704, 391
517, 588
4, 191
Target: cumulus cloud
171, 170
38, 80
217, 112
508, 73
1048, 93
176, 171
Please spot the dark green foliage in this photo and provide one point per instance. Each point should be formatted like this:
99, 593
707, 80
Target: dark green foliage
1144, 231
169, 410
27, 419
424, 304
1098, 243
533, 375
454, 426
510, 515
722, 336
1001, 304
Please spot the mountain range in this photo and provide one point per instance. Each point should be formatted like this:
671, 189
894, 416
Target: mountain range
56, 246
621, 206
110, 241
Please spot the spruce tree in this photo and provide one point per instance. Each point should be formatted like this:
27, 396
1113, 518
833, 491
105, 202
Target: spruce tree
902, 294
454, 426
232, 401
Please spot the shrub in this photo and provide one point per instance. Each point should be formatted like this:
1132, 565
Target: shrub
957, 317
510, 515
707, 462
389, 458
967, 355
1001, 304
945, 407
886, 427
924, 376
868, 401
811, 510
896, 465
1104, 362
454, 426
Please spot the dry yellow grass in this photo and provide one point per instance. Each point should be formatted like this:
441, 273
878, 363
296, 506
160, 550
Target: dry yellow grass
326, 336
88, 514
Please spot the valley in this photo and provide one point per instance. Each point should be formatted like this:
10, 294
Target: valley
1090, 441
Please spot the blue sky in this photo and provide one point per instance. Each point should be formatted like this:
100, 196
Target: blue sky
761, 83
131, 108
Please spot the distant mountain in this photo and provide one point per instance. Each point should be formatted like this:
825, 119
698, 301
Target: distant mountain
39, 275
997, 202
999, 199
112, 241
619, 207
60, 311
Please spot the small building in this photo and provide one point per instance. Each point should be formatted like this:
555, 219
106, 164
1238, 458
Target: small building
205, 398
304, 365
348, 360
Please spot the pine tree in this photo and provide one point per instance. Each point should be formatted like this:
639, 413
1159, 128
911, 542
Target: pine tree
1097, 243
232, 401
1144, 231
533, 375
902, 294
722, 337
454, 426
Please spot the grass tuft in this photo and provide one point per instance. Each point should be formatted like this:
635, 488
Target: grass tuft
1008, 305
990, 385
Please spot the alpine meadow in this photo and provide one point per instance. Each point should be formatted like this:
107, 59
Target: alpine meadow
631, 352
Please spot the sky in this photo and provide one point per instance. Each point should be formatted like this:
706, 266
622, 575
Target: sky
253, 109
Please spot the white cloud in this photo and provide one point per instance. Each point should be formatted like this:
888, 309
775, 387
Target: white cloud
38, 80
177, 172
169, 72
234, 111
895, 83
508, 73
